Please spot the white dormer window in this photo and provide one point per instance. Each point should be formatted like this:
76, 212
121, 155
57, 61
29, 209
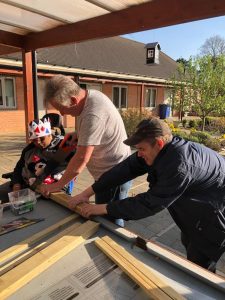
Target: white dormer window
152, 53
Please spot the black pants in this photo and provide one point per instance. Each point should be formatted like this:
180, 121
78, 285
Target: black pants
196, 256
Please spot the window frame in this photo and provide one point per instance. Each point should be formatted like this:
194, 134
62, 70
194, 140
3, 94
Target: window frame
3, 87
120, 89
146, 92
150, 53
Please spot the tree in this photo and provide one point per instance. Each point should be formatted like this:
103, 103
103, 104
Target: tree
206, 86
182, 61
203, 86
180, 101
213, 46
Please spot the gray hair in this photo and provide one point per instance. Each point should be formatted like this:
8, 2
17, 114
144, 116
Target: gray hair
167, 138
60, 89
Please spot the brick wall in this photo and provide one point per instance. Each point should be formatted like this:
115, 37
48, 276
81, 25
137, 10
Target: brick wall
107, 90
13, 120
134, 96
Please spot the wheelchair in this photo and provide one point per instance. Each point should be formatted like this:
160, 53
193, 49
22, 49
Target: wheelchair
58, 129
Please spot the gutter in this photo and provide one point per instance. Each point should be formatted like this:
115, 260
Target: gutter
85, 72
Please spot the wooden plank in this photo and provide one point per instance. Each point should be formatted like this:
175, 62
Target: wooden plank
22, 246
63, 199
150, 288
19, 259
148, 272
32, 267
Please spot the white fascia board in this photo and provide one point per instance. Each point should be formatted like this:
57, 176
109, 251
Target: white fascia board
14, 63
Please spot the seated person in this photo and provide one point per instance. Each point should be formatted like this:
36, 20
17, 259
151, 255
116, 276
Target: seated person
38, 163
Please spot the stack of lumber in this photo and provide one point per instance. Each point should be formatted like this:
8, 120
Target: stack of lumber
154, 286
26, 260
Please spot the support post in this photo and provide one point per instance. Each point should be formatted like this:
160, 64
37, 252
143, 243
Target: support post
28, 89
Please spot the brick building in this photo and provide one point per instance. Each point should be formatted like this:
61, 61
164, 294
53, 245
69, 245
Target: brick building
123, 69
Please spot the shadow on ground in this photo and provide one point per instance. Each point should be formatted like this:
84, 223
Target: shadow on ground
12, 145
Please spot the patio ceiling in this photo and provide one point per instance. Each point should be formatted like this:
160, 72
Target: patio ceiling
30, 24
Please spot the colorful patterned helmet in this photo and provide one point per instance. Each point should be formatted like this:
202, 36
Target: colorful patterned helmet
38, 128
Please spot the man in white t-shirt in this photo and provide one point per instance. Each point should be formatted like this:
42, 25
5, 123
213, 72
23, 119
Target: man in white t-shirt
100, 134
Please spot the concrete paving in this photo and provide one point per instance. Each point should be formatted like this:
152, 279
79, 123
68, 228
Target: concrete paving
159, 228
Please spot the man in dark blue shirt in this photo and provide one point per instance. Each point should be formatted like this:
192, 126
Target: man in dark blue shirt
185, 177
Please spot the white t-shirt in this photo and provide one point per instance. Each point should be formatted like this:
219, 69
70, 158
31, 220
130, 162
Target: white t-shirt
101, 125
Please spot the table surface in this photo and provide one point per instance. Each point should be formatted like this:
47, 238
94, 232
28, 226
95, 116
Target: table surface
61, 274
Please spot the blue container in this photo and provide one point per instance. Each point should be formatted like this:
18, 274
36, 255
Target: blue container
164, 111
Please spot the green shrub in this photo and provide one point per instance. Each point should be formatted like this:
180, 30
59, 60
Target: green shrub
208, 120
215, 124
193, 123
201, 135
187, 137
192, 139
132, 116
222, 143
199, 123
201, 138
213, 143
181, 134
220, 125
184, 122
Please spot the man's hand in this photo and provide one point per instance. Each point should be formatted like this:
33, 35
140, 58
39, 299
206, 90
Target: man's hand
80, 198
87, 210
46, 189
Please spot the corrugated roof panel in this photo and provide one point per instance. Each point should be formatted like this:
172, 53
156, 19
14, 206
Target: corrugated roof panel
13, 29
114, 5
33, 16
21, 18
68, 11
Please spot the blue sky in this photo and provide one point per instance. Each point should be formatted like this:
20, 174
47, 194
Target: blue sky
182, 40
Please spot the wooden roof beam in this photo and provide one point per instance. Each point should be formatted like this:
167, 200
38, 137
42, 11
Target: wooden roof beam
11, 39
150, 15
8, 50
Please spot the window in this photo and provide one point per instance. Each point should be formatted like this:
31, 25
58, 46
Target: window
120, 96
7, 92
150, 99
91, 86
168, 96
150, 53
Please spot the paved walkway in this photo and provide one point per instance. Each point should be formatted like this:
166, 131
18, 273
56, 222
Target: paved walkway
160, 227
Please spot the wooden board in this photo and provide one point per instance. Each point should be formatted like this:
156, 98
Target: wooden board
154, 286
172, 258
63, 199
11, 281
18, 248
32, 251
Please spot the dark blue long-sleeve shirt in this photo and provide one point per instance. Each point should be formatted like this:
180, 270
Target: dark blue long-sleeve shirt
186, 177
